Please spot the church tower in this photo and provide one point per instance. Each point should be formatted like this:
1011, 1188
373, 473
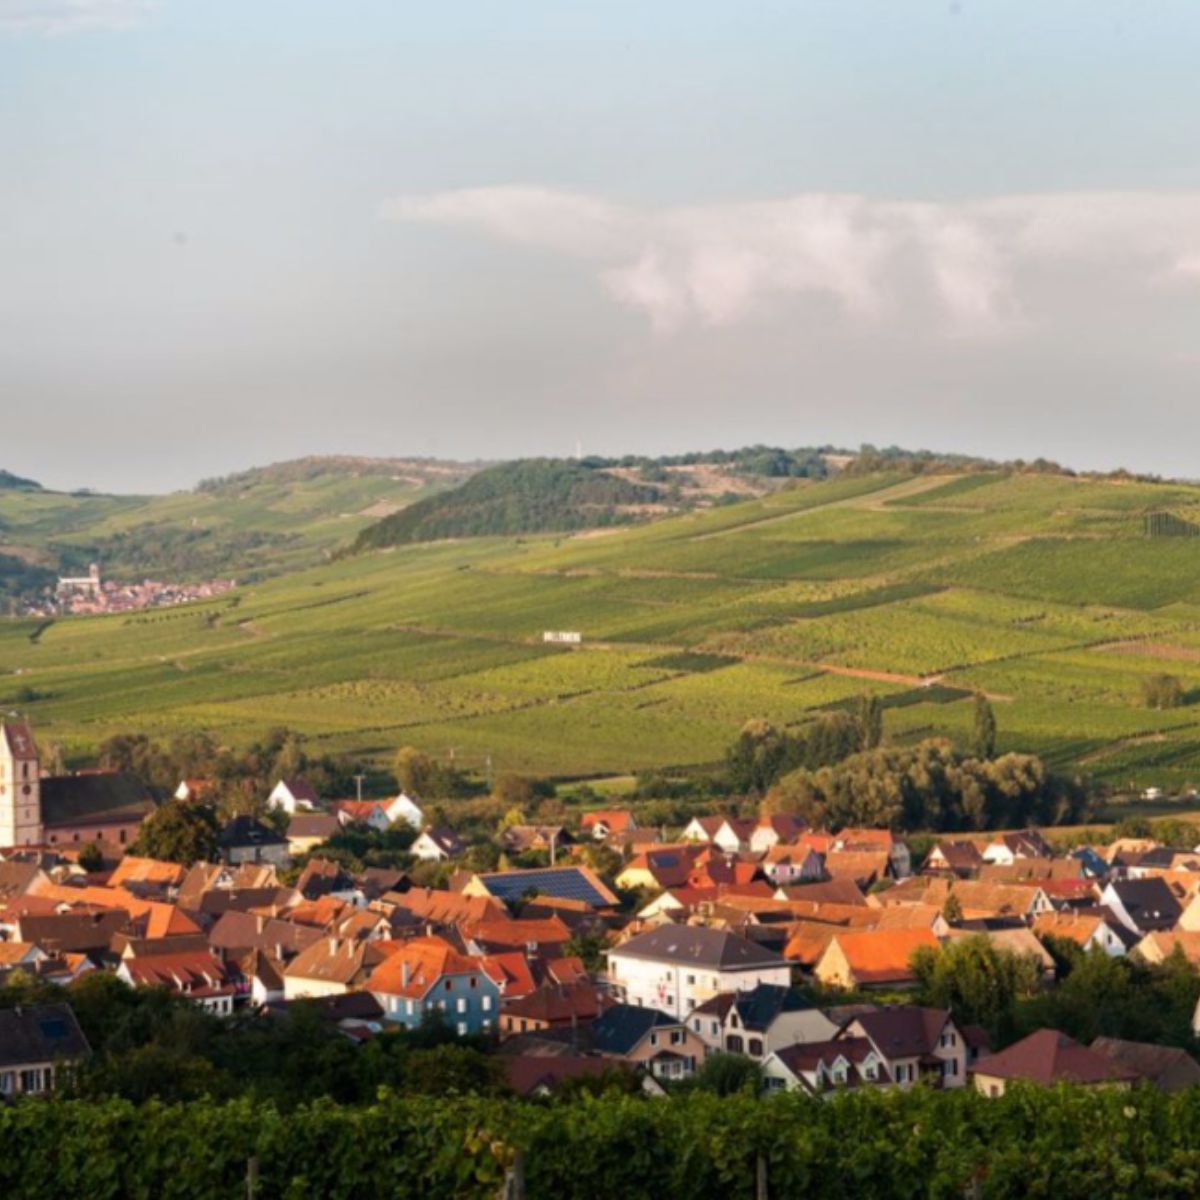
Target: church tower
20, 786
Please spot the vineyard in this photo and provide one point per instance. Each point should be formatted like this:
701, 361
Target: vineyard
1045, 592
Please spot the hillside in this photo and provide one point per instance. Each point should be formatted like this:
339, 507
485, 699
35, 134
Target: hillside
1043, 590
528, 496
11, 482
248, 525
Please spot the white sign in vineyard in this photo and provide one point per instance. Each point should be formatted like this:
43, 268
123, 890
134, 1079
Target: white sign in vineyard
562, 637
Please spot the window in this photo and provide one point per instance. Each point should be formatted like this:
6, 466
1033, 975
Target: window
676, 1037
716, 1028
755, 1047
449, 984
654, 1039
733, 1044
486, 1004
33, 1080
473, 981
6, 1083
462, 1004
869, 1072
691, 979
462, 1028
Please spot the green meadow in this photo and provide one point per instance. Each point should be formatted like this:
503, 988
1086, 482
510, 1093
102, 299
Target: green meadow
1043, 591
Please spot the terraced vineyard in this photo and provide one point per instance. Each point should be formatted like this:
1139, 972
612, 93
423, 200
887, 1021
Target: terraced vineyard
1043, 591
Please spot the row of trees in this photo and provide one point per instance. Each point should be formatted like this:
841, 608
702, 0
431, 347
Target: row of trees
932, 786
1095, 994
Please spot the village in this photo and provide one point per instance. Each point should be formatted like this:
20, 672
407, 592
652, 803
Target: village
90, 595
649, 952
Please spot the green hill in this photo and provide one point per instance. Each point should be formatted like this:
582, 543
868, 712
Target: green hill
11, 482
528, 496
1046, 591
248, 525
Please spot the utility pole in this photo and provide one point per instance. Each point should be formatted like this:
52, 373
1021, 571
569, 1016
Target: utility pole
358, 780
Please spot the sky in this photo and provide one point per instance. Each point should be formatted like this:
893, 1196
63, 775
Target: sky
237, 233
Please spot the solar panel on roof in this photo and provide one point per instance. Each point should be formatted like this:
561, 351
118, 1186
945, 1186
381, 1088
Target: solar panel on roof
566, 883
54, 1028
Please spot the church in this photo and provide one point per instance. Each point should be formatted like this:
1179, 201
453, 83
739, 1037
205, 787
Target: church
64, 810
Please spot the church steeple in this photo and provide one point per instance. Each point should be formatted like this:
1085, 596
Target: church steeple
20, 786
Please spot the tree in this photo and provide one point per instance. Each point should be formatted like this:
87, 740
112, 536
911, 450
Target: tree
180, 832
90, 857
984, 740
978, 982
414, 771
870, 721
588, 945
952, 909
515, 791
728, 1074
1162, 691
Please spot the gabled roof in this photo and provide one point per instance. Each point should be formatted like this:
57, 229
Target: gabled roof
244, 831
759, 1006
313, 825
238, 931
186, 971
418, 966
559, 1003
103, 798
571, 883
616, 820
882, 955
1150, 903
902, 1031
18, 740
446, 908
334, 960
1167, 1067
695, 945
623, 1026
132, 869
301, 789
1049, 1057
43, 1033
959, 856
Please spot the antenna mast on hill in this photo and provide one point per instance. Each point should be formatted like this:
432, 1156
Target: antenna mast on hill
358, 782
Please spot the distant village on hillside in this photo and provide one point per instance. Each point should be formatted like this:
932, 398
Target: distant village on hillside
90, 594
818, 960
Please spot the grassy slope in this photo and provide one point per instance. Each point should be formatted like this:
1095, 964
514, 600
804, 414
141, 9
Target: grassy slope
267, 521
1015, 585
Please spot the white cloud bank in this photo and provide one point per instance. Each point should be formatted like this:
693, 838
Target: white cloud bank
71, 16
961, 264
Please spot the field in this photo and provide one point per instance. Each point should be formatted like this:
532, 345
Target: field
1042, 591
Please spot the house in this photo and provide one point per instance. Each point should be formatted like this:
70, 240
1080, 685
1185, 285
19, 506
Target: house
1049, 1057
237, 933
1086, 929
872, 958
1009, 847
329, 967
428, 976
564, 883
438, 845
37, 1043
263, 974
867, 840
524, 839
1166, 1067
648, 1038
775, 830
677, 967
542, 1075
659, 867
975, 898
147, 871
823, 1068
608, 822
292, 796
1142, 905
307, 830
864, 867
194, 790
404, 808
915, 1044
959, 859
554, 1006
787, 865
245, 840
20, 954
759, 1021
371, 813
1158, 946
731, 834
197, 975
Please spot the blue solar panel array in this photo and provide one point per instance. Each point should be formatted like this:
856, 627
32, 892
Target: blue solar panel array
565, 883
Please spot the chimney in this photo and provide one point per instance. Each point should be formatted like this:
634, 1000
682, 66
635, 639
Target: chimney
333, 945
405, 973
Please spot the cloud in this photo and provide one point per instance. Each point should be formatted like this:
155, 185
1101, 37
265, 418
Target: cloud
71, 16
959, 265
